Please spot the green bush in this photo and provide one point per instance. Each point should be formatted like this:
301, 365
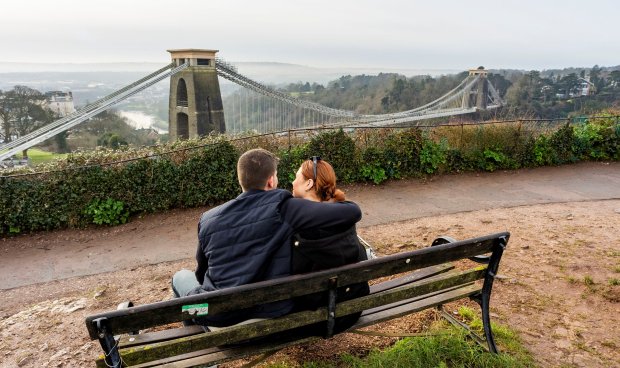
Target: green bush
339, 150
494, 160
402, 153
433, 156
598, 139
457, 161
371, 166
543, 153
290, 160
563, 143
523, 154
108, 212
72, 197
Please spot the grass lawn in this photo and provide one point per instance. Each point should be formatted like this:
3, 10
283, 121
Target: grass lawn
38, 156
445, 346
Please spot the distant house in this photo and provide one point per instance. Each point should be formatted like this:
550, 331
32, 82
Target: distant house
60, 102
584, 88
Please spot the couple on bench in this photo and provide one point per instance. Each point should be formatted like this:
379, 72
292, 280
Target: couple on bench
267, 233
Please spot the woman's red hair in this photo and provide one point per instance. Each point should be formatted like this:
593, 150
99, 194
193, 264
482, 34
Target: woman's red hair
325, 183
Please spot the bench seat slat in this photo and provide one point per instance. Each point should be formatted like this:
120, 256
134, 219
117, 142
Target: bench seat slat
443, 281
420, 304
217, 356
411, 277
173, 360
158, 336
410, 300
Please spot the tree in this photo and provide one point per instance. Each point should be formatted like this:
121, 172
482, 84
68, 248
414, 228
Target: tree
615, 77
500, 83
569, 84
595, 77
29, 113
317, 88
5, 117
111, 140
22, 111
60, 141
523, 96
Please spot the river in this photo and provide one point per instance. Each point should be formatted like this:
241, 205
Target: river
140, 120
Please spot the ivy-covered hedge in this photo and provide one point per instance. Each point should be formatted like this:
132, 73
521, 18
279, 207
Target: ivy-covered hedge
107, 187
108, 194
376, 155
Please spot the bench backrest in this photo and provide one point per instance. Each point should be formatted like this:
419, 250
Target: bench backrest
175, 310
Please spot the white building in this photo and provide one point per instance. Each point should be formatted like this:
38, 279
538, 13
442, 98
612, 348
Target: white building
60, 102
584, 88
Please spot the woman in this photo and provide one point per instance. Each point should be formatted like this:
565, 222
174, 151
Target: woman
326, 247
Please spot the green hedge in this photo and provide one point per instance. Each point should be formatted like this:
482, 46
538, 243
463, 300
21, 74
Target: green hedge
107, 187
72, 197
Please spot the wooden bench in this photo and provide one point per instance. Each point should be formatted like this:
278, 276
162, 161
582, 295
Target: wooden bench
430, 280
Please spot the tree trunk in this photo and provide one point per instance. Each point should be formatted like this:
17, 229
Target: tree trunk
7, 132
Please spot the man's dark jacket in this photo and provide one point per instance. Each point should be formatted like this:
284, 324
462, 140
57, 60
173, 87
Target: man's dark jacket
248, 239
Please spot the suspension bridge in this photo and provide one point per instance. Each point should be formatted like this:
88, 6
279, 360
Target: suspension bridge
266, 108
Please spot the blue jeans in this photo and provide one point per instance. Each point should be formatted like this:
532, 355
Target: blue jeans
183, 282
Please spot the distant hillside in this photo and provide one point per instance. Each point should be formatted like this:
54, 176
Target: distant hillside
278, 73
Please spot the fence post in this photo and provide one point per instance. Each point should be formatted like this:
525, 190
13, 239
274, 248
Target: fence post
289, 140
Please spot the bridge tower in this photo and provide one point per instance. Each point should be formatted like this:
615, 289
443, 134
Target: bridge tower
195, 106
482, 88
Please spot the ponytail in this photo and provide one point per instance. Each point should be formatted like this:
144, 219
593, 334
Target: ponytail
338, 195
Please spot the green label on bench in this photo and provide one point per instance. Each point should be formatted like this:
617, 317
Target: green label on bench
196, 309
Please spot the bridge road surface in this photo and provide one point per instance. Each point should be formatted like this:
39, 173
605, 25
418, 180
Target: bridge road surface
43, 257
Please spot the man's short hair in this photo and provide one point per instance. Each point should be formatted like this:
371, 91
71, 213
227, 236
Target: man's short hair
255, 167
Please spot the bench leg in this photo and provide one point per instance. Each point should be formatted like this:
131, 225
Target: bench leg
109, 344
331, 306
485, 298
478, 339
483, 301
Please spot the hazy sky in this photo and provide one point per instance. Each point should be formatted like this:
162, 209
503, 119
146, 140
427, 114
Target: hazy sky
354, 33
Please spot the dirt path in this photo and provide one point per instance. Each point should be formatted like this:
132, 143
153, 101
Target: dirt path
171, 236
556, 285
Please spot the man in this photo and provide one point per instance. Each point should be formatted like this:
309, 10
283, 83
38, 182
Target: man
248, 239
